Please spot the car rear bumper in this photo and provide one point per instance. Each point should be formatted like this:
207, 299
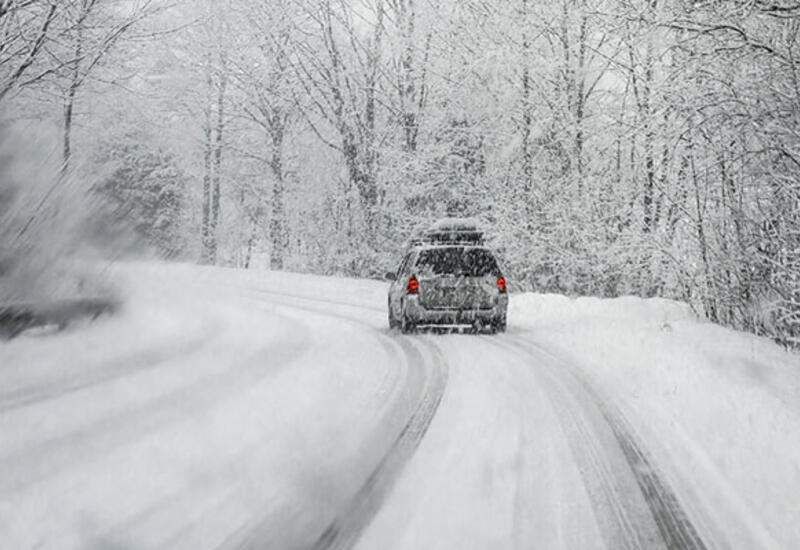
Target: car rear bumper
421, 316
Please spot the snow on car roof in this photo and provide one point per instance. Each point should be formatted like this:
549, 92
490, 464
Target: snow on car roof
446, 244
449, 232
454, 237
456, 224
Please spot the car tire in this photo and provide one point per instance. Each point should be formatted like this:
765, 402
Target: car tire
406, 326
393, 324
499, 325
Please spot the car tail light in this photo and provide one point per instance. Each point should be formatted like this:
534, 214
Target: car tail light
413, 285
501, 284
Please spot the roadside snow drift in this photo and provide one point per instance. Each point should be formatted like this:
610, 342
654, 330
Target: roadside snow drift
722, 406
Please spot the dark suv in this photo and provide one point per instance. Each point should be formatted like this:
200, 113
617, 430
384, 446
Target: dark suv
448, 278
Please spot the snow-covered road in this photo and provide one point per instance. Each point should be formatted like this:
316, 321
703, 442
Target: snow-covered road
231, 409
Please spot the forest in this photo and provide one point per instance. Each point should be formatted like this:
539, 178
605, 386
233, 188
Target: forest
610, 147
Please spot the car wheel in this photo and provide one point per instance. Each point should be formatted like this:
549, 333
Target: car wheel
406, 326
392, 321
499, 325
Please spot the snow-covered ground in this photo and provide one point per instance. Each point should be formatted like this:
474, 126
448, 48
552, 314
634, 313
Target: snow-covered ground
231, 409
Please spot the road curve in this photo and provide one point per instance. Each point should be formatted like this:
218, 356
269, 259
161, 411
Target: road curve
557, 463
210, 417
275, 419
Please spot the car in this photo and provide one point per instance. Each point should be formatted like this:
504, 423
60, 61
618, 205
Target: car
448, 278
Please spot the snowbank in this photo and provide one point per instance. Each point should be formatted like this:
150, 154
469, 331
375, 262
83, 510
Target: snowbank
722, 407
534, 310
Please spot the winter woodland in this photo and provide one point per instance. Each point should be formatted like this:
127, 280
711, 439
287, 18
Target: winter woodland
611, 147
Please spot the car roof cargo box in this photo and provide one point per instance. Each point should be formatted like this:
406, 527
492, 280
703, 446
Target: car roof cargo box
454, 231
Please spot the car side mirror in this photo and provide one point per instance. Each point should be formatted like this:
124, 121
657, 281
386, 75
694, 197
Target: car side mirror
390, 276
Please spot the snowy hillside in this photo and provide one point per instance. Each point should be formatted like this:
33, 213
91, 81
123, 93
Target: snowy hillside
228, 409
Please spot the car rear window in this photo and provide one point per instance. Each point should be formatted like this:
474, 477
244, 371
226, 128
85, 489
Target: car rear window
466, 262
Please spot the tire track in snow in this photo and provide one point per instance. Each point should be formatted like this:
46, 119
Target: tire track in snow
107, 372
674, 526
126, 425
622, 524
417, 403
345, 529
275, 296
251, 533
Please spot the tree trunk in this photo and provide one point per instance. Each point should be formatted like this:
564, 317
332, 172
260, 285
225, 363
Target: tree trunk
708, 291
250, 241
411, 96
368, 180
527, 119
68, 115
580, 99
207, 175
277, 220
69, 106
646, 105
217, 169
